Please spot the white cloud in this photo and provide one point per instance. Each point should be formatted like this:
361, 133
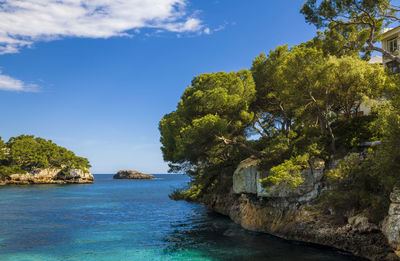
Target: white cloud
8, 83
24, 22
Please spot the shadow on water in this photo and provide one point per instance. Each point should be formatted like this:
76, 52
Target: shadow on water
218, 238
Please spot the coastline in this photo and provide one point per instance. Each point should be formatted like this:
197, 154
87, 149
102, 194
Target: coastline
49, 176
267, 216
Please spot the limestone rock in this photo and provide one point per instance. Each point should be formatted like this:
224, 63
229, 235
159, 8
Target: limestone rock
50, 176
361, 223
132, 174
391, 224
245, 177
395, 196
291, 221
285, 213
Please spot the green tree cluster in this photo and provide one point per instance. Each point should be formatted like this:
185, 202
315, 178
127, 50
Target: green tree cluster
213, 112
294, 107
302, 95
26, 153
286, 111
364, 183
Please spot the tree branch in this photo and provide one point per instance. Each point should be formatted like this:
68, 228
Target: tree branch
243, 146
258, 130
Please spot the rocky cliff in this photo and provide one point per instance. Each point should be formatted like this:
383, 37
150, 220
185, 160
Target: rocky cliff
49, 176
288, 214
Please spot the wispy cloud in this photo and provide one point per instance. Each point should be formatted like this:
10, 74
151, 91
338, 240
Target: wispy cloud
8, 83
24, 22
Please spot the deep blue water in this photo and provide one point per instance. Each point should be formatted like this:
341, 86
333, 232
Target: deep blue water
129, 220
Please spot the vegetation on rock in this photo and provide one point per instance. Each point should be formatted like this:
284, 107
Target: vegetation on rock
132, 174
26, 153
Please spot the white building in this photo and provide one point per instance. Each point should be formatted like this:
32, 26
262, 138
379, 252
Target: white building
390, 43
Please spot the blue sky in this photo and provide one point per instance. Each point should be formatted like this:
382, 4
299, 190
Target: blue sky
99, 86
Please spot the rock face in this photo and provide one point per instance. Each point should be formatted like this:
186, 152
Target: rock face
50, 176
246, 179
286, 214
391, 224
132, 174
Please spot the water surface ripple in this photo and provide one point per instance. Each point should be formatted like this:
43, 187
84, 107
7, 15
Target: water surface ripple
129, 220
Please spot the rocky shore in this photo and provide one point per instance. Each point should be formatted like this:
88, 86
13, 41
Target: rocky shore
132, 174
49, 176
289, 215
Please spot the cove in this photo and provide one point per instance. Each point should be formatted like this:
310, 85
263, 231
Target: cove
129, 220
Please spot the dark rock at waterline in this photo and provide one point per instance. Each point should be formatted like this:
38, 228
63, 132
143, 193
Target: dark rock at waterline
132, 174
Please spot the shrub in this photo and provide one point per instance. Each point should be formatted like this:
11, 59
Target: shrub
355, 187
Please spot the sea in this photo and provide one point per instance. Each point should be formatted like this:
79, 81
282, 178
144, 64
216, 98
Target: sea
130, 220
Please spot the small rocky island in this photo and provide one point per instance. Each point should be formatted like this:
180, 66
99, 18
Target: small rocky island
132, 174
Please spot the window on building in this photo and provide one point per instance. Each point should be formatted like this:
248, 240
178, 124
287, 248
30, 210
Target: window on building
393, 66
392, 45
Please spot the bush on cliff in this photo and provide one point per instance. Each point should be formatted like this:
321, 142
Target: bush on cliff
26, 153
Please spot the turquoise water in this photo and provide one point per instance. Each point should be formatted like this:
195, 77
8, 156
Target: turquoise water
129, 220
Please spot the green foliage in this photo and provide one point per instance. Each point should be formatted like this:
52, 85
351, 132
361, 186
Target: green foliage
300, 103
301, 95
352, 132
214, 109
215, 105
296, 106
365, 18
341, 41
2, 150
26, 153
359, 12
288, 173
386, 158
355, 187
270, 85
363, 183
207, 181
6, 170
301, 85
177, 194
350, 79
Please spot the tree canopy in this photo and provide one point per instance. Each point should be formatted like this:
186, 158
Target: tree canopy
282, 111
213, 108
27, 153
367, 17
301, 86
